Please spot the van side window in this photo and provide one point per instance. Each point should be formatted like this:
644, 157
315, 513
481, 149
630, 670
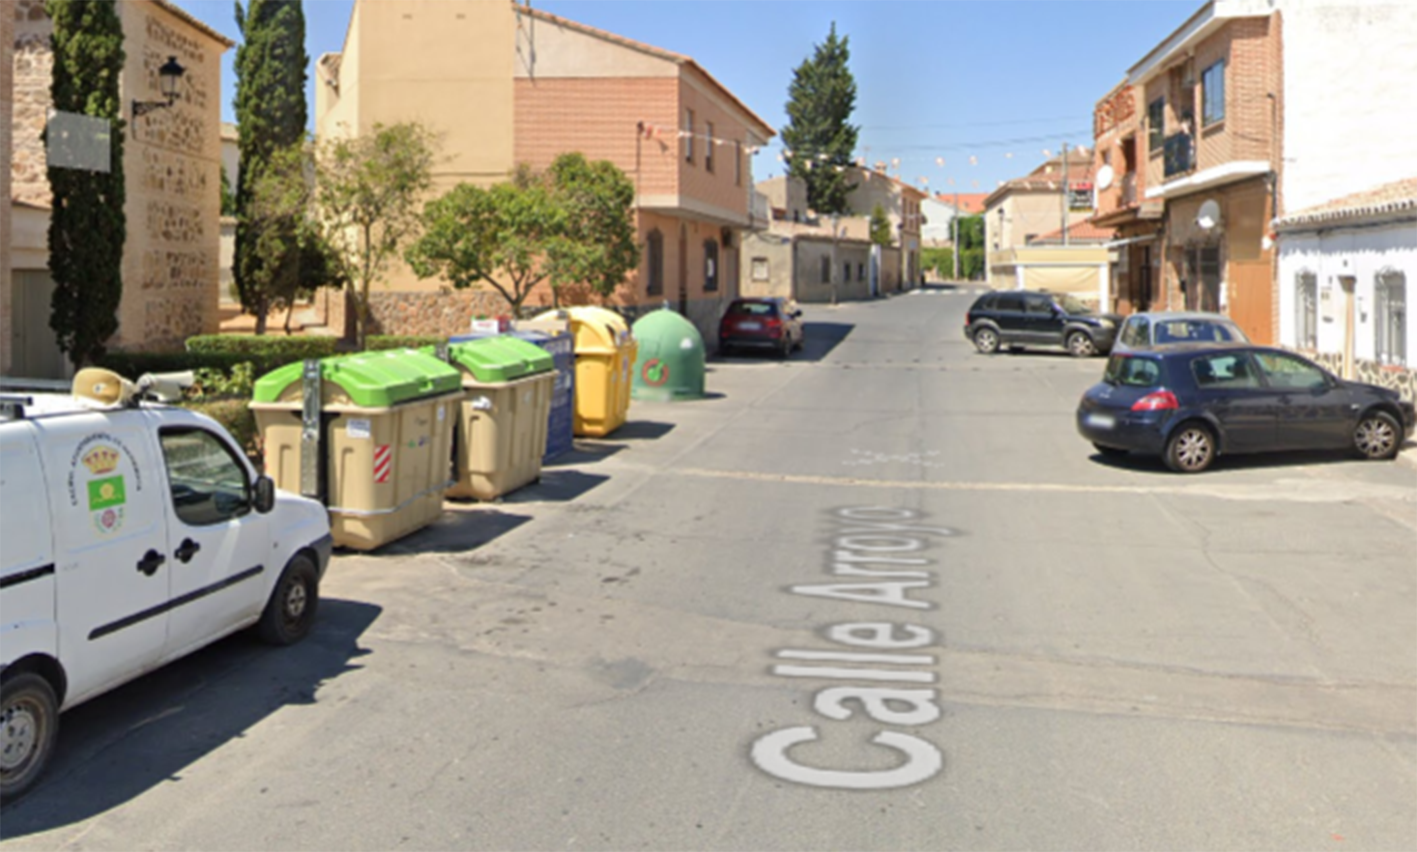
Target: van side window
208, 485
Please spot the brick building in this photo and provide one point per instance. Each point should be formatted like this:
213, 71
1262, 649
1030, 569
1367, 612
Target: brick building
504, 84
172, 174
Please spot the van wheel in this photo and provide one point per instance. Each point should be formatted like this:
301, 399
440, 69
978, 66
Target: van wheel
1376, 436
29, 723
290, 613
1081, 345
986, 340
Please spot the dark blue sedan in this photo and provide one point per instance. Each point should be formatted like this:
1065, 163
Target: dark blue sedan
1189, 403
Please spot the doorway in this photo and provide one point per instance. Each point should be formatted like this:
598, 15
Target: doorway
1203, 278
1346, 284
36, 353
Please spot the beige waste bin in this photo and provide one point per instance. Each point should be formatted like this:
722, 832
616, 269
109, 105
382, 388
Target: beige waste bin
380, 456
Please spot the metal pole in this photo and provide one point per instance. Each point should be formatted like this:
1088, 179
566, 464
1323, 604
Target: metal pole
954, 241
1065, 194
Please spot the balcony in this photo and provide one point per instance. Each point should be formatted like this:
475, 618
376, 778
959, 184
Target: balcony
1128, 196
1179, 154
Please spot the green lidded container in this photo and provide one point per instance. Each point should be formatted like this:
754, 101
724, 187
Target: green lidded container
491, 360
370, 379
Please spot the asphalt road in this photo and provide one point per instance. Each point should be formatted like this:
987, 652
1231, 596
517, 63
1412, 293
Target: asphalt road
879, 596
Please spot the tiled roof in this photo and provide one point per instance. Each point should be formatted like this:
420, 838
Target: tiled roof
1042, 179
1084, 230
676, 58
1396, 197
970, 203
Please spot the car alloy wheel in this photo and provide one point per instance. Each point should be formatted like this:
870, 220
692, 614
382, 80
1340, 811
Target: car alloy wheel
1081, 345
986, 340
1191, 449
1375, 436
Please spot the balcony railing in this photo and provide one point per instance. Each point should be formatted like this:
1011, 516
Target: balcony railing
1179, 156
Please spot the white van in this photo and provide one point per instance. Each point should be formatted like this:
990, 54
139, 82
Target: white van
130, 536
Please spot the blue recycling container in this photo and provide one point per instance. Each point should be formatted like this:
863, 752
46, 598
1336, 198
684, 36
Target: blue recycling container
560, 423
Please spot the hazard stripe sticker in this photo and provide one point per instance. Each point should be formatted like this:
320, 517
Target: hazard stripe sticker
383, 462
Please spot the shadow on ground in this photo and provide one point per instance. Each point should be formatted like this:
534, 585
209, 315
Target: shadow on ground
1143, 463
118, 746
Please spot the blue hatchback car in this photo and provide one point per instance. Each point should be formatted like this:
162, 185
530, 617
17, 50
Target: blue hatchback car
1189, 403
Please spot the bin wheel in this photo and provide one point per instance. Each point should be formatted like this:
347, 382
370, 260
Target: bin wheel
29, 723
290, 613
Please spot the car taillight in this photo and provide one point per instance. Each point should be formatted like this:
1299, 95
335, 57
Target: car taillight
1162, 400
773, 324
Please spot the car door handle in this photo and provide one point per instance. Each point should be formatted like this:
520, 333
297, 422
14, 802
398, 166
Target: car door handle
186, 550
151, 561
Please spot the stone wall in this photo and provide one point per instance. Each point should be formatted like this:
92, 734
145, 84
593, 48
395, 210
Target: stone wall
1401, 379
403, 312
7, 83
32, 67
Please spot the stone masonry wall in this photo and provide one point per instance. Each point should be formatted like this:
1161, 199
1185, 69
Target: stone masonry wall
1401, 379
7, 83
32, 67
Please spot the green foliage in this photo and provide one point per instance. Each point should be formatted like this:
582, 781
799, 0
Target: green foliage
272, 191
239, 381
939, 259
366, 193
880, 226
235, 416
228, 198
290, 348
380, 342
572, 225
819, 134
87, 227
971, 232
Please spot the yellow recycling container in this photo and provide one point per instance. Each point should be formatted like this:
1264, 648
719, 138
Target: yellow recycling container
502, 425
378, 447
605, 360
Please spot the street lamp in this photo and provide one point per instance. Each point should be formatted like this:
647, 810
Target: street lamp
169, 75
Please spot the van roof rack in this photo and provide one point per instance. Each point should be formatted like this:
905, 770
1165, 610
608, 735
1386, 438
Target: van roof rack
12, 405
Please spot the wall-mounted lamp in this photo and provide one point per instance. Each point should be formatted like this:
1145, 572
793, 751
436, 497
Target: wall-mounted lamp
169, 75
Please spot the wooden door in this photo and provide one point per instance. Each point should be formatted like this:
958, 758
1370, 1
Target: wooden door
1252, 299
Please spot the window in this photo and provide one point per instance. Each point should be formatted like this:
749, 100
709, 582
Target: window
860, 272
760, 269
826, 270
1136, 332
654, 260
1009, 302
1224, 371
1290, 371
1132, 371
708, 147
1038, 305
846, 270
689, 136
1391, 293
208, 485
1213, 94
737, 163
1306, 304
1156, 125
710, 266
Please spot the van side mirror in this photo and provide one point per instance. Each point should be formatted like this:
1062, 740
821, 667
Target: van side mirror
265, 494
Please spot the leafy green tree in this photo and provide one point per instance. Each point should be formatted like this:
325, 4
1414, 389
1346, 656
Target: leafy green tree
228, 198
819, 134
880, 226
367, 190
271, 117
297, 254
598, 245
571, 225
87, 227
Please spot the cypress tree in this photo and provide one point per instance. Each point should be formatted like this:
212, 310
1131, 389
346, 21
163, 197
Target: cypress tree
819, 134
87, 227
271, 116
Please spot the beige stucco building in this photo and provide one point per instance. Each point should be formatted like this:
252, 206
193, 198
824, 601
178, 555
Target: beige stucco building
172, 176
503, 84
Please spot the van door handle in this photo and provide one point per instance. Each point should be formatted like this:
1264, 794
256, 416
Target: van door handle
151, 561
186, 550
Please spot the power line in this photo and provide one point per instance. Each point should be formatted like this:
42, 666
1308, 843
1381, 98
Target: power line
967, 125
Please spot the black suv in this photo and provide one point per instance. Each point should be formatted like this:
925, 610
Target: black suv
1019, 318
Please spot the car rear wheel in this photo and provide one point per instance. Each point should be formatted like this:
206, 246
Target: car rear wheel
1191, 449
986, 340
1376, 436
29, 722
1081, 345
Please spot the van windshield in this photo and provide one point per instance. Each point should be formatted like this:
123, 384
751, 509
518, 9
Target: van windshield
1132, 371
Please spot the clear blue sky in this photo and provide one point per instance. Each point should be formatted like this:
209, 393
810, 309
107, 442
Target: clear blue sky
953, 80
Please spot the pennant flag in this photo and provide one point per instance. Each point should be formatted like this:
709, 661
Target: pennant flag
973, 160
1047, 153
1009, 156
940, 161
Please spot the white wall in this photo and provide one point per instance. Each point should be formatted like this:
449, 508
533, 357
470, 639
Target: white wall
1350, 94
939, 219
1362, 253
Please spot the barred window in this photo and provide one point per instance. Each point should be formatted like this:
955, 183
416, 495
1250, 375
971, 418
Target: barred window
1306, 305
1391, 293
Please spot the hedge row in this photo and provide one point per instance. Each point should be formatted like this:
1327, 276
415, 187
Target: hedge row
285, 347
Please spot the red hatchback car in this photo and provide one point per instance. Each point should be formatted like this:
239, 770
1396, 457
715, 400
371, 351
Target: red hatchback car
767, 323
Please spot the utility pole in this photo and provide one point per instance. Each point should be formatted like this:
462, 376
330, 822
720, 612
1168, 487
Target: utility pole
954, 221
1065, 194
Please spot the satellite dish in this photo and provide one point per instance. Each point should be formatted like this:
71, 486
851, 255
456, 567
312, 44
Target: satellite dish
1209, 215
1104, 177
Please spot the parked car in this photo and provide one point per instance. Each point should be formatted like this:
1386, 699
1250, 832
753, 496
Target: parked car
1021, 318
1189, 403
1157, 328
133, 534
773, 323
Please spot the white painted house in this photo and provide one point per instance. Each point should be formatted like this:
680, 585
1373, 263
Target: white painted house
1347, 269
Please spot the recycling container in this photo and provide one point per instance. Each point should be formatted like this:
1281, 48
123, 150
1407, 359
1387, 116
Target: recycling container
555, 338
501, 426
605, 356
670, 361
378, 448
